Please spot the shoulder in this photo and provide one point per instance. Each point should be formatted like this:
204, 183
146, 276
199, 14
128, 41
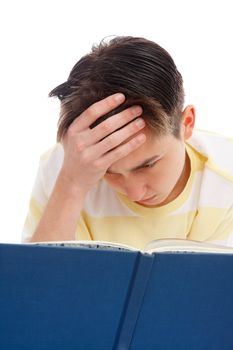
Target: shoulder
52, 156
50, 165
217, 149
216, 179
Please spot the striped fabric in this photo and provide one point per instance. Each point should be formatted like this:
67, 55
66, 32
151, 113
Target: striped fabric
203, 211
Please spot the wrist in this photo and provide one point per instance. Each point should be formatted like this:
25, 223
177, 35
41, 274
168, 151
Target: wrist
66, 185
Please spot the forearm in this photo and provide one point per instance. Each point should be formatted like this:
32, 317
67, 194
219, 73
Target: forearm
61, 214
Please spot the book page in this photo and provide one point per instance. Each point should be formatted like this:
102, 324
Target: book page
87, 244
173, 245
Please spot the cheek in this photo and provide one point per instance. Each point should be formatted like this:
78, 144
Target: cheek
165, 176
113, 180
173, 173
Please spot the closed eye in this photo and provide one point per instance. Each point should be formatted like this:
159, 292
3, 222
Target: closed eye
146, 167
150, 165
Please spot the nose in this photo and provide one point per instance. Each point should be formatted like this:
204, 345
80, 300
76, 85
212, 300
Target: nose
135, 191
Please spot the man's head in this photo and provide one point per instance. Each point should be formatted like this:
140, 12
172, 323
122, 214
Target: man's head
146, 74
142, 70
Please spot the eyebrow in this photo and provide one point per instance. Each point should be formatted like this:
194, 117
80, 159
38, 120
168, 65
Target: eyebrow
138, 166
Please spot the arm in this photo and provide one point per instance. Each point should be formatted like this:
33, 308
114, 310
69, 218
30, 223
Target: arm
88, 153
60, 216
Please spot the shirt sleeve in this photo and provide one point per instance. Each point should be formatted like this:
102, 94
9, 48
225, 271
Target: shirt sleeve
37, 204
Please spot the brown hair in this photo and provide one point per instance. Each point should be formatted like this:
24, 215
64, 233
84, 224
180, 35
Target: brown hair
142, 70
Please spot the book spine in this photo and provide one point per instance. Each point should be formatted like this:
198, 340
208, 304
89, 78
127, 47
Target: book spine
134, 301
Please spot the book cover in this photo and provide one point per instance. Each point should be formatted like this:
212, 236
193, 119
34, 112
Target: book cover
94, 296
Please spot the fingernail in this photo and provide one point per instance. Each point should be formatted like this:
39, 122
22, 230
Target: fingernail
119, 97
140, 122
137, 109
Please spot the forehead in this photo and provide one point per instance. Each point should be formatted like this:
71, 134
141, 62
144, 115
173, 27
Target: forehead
153, 146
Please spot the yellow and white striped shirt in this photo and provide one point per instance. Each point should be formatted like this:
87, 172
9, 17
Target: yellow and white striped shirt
202, 212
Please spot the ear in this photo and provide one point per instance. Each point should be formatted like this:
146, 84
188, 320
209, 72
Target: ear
188, 121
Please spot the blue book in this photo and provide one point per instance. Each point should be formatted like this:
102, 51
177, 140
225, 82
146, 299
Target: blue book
96, 295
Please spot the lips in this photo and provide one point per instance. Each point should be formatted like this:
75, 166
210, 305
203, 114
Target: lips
148, 199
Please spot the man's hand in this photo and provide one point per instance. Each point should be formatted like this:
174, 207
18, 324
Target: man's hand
88, 153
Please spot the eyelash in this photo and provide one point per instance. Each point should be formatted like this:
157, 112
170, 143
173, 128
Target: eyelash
151, 165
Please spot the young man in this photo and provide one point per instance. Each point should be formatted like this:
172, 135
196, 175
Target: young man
128, 166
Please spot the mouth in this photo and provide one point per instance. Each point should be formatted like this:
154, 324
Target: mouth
148, 200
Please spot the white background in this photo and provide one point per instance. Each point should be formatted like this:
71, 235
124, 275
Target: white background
42, 40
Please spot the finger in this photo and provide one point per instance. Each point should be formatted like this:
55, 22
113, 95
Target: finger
114, 123
97, 110
122, 151
118, 137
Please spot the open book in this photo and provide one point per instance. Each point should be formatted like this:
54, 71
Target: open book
100, 296
160, 245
